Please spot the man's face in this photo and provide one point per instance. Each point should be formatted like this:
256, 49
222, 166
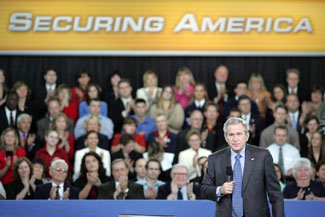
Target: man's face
180, 176
153, 170
244, 106
140, 168
94, 108
280, 136
199, 92
221, 74
280, 115
93, 125
292, 103
53, 107
50, 77
241, 89
59, 173
12, 101
236, 137
24, 125
194, 142
292, 79
119, 169
161, 122
211, 113
140, 109
124, 90
196, 120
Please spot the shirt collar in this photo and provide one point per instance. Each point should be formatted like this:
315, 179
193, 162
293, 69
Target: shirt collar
242, 153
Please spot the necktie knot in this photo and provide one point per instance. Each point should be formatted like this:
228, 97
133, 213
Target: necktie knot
237, 156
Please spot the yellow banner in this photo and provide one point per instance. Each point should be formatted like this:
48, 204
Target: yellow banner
166, 26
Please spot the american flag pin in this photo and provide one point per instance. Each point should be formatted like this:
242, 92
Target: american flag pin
252, 158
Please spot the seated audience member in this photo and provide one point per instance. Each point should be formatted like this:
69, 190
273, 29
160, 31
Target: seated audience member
140, 170
255, 122
57, 189
53, 107
293, 86
9, 112
127, 152
218, 90
190, 156
129, 127
123, 106
166, 159
68, 107
151, 183
310, 126
92, 146
200, 98
213, 126
92, 124
184, 86
317, 104
107, 126
316, 151
178, 188
294, 114
120, 188
78, 92
26, 137
280, 176
145, 124
173, 111
92, 175
203, 166
150, 91
3, 87
111, 93
234, 113
280, 115
320, 171
46, 91
240, 89
283, 154
303, 188
9, 153
259, 94
163, 136
93, 91
66, 139
3, 194
39, 171
24, 184
50, 151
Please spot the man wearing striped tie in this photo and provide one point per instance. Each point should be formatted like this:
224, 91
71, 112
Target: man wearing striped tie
252, 183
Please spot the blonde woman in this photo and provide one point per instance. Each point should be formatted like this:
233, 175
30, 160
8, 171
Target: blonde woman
184, 86
150, 91
168, 106
259, 94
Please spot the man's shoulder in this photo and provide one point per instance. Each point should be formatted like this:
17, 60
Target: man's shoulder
268, 129
220, 152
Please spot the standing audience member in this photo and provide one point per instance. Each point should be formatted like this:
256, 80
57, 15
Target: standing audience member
78, 92
57, 189
92, 175
310, 126
278, 97
9, 112
121, 188
39, 171
9, 153
173, 111
293, 87
3, 87
112, 91
184, 86
68, 107
150, 91
294, 114
320, 170
316, 151
140, 170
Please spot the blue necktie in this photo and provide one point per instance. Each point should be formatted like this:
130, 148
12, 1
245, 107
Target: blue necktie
293, 122
237, 200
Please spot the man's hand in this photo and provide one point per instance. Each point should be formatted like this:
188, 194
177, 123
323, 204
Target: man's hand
151, 193
53, 193
227, 187
66, 194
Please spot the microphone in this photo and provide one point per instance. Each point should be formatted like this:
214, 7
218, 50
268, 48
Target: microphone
229, 173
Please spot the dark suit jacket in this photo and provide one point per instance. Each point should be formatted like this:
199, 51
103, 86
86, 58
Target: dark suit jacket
43, 191
259, 177
115, 111
107, 190
164, 191
4, 120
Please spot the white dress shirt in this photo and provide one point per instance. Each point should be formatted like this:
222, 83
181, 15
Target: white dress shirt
61, 189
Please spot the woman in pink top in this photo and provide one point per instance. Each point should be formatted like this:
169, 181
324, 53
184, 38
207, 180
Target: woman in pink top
184, 86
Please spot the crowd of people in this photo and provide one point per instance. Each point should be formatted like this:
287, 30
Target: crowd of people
92, 142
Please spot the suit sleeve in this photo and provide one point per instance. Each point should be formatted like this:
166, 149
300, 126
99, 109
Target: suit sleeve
136, 192
104, 192
208, 187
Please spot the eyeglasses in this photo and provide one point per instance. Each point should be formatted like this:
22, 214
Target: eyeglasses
180, 174
61, 170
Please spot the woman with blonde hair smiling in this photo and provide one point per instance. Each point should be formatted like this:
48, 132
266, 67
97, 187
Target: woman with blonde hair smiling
184, 86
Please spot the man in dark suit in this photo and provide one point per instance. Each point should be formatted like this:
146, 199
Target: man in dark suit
179, 189
57, 189
121, 188
253, 176
123, 106
9, 112
293, 78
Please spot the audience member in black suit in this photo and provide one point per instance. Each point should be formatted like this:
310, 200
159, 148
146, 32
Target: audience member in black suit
123, 106
178, 188
125, 189
9, 112
294, 113
293, 87
112, 93
44, 92
57, 189
27, 137
255, 122
241, 89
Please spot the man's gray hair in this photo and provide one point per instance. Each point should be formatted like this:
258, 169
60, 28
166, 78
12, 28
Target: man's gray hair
54, 162
22, 116
235, 120
179, 165
301, 162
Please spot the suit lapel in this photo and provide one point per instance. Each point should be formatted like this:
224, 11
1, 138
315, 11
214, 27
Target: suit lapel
249, 163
